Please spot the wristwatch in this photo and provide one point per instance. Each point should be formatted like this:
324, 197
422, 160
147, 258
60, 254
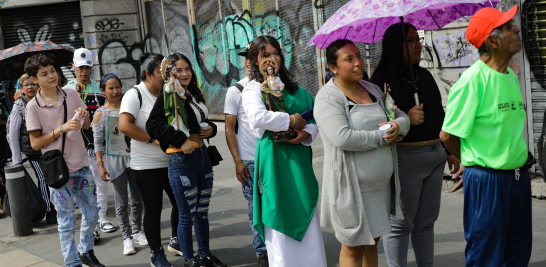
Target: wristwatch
151, 141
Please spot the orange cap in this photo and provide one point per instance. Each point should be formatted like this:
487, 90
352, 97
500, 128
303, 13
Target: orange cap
485, 21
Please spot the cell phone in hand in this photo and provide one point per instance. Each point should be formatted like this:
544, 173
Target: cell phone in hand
308, 115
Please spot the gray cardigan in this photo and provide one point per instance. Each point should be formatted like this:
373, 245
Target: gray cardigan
342, 206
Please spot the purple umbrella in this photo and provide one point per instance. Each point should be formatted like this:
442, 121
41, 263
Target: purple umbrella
365, 21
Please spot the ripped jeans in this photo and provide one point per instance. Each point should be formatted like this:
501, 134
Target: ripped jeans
191, 179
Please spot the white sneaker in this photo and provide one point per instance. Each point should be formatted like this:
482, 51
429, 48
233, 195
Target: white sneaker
128, 247
140, 239
105, 224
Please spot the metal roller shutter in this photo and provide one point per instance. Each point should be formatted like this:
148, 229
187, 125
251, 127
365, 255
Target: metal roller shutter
534, 36
59, 23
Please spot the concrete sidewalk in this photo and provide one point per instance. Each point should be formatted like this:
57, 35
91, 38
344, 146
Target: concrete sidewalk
230, 236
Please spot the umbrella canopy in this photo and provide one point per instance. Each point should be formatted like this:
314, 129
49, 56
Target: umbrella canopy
365, 21
12, 60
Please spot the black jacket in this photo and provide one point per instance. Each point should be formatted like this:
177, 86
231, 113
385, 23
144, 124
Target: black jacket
158, 126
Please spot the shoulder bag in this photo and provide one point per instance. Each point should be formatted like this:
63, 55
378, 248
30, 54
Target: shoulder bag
53, 164
214, 155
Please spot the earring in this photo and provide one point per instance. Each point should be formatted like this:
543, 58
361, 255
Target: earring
335, 73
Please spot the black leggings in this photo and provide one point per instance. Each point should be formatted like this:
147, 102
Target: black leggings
151, 184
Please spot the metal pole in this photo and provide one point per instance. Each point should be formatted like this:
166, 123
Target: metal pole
18, 200
415, 95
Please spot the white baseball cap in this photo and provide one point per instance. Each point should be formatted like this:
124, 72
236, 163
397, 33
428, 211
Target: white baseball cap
83, 57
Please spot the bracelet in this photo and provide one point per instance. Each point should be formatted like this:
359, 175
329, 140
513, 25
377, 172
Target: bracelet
53, 133
100, 162
237, 166
61, 130
151, 141
296, 121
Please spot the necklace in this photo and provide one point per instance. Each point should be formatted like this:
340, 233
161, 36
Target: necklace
416, 77
361, 91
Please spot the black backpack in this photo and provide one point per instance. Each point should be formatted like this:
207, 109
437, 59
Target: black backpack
24, 138
36, 203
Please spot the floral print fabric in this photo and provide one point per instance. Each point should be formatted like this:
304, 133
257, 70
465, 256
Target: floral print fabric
365, 21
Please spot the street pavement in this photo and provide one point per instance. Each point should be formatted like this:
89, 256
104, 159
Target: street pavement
230, 235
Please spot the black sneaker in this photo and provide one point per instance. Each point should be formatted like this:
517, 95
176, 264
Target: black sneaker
159, 259
174, 246
51, 217
263, 260
193, 262
210, 261
90, 259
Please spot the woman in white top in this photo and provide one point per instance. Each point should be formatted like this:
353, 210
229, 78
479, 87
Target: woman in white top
148, 162
285, 188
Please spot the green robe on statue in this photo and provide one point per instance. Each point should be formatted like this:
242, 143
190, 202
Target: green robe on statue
285, 189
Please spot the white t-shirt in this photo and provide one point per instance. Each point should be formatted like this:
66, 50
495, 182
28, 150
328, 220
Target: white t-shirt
202, 106
143, 156
246, 141
260, 119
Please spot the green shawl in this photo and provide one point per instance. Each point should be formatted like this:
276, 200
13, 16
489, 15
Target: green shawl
286, 192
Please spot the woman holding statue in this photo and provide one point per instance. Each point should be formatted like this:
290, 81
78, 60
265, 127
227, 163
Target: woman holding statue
179, 122
286, 189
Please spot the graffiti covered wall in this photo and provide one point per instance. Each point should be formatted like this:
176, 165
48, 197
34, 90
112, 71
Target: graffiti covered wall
213, 41
112, 33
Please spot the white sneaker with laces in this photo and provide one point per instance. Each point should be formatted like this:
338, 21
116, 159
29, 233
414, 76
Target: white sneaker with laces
140, 239
128, 247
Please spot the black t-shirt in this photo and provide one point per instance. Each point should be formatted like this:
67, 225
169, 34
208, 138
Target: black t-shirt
352, 103
429, 95
93, 102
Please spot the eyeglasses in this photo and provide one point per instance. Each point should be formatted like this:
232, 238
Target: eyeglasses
413, 41
30, 85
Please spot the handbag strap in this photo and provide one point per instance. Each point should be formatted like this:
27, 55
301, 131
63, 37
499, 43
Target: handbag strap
203, 117
64, 107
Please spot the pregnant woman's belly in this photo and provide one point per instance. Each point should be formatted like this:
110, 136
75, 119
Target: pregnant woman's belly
374, 168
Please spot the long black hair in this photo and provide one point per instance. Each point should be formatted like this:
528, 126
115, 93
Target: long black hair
192, 87
149, 63
257, 47
392, 60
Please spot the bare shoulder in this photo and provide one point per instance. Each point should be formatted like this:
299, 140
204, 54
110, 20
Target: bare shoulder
97, 117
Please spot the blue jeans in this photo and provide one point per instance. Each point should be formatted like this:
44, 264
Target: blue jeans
248, 191
191, 179
497, 217
79, 188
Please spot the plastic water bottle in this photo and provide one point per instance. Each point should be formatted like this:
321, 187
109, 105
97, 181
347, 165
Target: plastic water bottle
74, 134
